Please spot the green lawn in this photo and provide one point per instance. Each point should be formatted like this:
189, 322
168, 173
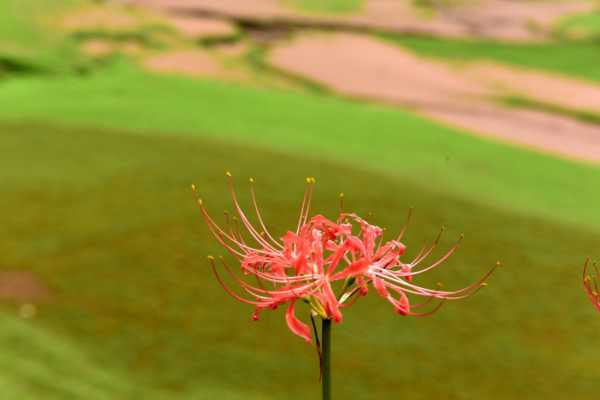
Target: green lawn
573, 58
532, 104
401, 145
106, 219
581, 25
29, 40
326, 6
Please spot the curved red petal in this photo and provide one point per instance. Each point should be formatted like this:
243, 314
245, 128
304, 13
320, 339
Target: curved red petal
296, 326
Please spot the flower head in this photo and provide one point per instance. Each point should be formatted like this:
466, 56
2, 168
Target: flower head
327, 264
591, 277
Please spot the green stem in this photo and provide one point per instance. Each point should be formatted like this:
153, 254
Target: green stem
326, 354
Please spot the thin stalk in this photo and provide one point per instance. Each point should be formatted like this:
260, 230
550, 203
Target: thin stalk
326, 357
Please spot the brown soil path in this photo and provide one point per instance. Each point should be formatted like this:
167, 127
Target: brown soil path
194, 63
512, 20
499, 19
360, 66
543, 87
199, 28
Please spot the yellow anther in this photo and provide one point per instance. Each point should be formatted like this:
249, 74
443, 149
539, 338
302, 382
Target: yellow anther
200, 201
211, 258
308, 179
498, 264
484, 284
193, 187
228, 174
341, 194
251, 180
314, 180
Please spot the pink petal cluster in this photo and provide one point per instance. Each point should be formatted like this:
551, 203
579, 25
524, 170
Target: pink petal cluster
591, 277
327, 264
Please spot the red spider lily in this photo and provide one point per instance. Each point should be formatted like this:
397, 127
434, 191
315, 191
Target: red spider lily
590, 282
306, 263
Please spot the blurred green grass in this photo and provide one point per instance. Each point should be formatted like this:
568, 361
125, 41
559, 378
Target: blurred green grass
107, 221
525, 102
30, 41
326, 6
401, 145
581, 26
568, 57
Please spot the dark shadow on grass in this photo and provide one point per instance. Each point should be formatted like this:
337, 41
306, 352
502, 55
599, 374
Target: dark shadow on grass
14, 66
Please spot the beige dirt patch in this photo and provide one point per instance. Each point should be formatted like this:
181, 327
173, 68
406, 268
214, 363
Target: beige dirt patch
199, 28
100, 18
360, 66
98, 47
193, 63
236, 49
255, 8
554, 134
364, 67
541, 86
22, 286
512, 20
104, 47
500, 19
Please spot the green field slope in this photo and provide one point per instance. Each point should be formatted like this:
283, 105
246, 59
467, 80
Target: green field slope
400, 145
30, 41
326, 6
106, 220
572, 58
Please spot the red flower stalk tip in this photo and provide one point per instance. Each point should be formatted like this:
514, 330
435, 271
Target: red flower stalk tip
591, 277
326, 264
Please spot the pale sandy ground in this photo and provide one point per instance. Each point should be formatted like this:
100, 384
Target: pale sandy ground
199, 28
513, 20
222, 63
98, 18
110, 17
499, 19
104, 48
543, 87
360, 66
118, 17
192, 62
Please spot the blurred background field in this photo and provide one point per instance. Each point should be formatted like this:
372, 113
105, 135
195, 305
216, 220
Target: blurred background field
482, 115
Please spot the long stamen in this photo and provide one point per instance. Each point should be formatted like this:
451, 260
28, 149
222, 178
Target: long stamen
260, 293
405, 227
428, 313
253, 232
225, 287
430, 250
259, 216
312, 181
220, 235
451, 295
437, 263
303, 204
